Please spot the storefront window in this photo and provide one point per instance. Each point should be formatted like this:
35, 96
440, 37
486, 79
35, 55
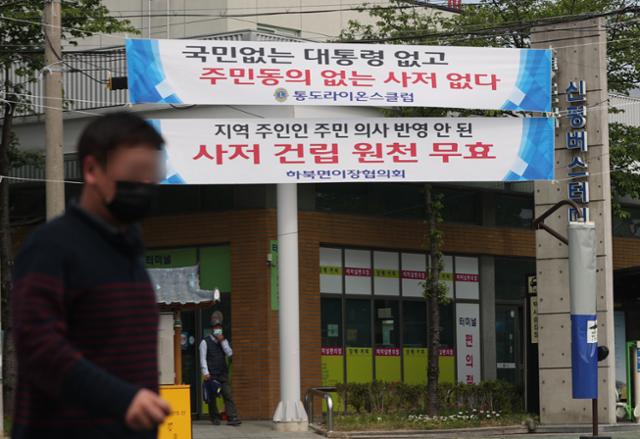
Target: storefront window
387, 323
400, 200
345, 198
511, 277
190, 370
460, 206
514, 211
358, 323
446, 326
331, 317
385, 334
414, 315
628, 227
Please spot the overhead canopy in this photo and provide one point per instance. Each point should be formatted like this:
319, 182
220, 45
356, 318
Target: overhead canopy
179, 286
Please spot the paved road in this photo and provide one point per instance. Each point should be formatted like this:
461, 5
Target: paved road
264, 430
573, 436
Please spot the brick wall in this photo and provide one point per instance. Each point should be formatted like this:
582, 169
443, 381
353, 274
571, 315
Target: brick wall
626, 253
255, 326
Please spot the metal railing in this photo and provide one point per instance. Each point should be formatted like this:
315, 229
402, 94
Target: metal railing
309, 403
86, 75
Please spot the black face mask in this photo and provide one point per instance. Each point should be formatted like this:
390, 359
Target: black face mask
131, 202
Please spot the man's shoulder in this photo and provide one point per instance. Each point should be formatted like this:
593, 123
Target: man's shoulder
60, 232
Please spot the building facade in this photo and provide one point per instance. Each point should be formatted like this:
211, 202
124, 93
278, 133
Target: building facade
362, 246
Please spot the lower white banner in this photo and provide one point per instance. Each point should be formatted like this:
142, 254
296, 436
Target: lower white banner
269, 151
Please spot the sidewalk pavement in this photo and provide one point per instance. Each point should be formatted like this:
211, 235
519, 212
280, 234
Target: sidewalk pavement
248, 430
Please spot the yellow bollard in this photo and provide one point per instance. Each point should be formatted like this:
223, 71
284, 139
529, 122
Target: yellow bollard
178, 424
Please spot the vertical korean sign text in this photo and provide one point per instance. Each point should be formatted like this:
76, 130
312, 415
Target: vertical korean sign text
578, 142
468, 342
276, 73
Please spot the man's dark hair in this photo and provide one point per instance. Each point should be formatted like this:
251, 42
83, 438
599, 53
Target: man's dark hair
116, 130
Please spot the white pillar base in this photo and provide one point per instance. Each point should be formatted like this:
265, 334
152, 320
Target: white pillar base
291, 416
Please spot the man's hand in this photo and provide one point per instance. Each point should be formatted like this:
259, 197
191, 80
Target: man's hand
146, 411
207, 377
220, 337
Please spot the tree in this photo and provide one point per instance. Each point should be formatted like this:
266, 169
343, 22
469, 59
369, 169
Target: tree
21, 60
508, 23
434, 291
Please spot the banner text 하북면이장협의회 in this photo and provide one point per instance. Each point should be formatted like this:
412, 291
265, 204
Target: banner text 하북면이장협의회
272, 151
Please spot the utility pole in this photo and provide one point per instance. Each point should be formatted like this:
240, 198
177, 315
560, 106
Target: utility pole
290, 414
53, 108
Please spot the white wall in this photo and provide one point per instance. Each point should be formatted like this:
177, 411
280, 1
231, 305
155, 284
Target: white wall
630, 107
31, 134
165, 349
319, 27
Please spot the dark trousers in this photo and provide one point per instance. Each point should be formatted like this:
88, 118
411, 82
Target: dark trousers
229, 405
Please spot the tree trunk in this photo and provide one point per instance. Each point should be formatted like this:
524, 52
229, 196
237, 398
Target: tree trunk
433, 302
6, 258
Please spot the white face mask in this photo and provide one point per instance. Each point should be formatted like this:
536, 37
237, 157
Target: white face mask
217, 332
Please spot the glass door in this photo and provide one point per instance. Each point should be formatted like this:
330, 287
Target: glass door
509, 353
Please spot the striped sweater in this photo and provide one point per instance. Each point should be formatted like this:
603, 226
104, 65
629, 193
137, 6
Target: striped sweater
85, 322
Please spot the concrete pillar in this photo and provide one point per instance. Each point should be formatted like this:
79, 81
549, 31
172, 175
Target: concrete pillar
488, 316
290, 414
581, 52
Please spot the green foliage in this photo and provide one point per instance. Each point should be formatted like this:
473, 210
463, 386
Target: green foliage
22, 48
510, 23
22, 34
386, 398
624, 153
433, 287
22, 39
401, 421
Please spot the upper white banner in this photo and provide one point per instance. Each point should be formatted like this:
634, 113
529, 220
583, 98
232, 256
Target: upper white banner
273, 73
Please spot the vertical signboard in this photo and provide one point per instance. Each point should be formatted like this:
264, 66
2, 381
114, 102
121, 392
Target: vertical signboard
359, 365
447, 275
468, 342
386, 272
533, 307
415, 365
357, 271
577, 142
414, 273
467, 278
330, 270
332, 365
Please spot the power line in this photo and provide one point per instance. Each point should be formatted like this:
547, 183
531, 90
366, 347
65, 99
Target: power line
361, 4
600, 106
268, 14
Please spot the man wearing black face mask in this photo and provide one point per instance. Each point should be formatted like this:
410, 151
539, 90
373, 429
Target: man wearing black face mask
84, 312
